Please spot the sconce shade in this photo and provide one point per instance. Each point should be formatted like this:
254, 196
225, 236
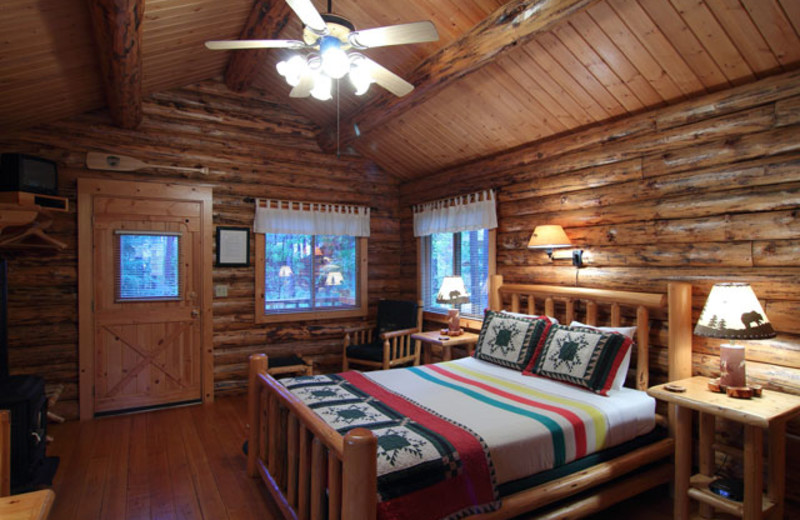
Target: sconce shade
452, 291
732, 311
285, 271
548, 237
334, 278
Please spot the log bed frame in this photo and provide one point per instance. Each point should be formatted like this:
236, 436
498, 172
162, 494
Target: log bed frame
303, 461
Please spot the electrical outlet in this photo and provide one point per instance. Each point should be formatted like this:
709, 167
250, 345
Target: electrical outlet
221, 291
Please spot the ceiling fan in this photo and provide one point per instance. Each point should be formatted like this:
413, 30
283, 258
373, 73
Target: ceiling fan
333, 44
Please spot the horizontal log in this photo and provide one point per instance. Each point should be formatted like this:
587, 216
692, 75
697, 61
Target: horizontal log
750, 199
787, 111
768, 225
773, 142
776, 253
783, 350
762, 172
730, 254
576, 180
784, 316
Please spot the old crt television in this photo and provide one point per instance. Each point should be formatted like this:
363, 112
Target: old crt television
20, 172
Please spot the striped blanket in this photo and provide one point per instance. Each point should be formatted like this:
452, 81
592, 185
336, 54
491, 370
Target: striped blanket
459, 429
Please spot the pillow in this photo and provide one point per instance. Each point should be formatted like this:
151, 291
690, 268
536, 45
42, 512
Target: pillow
582, 357
509, 341
630, 332
531, 316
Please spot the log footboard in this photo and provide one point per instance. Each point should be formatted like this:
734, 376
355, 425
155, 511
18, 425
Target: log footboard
306, 465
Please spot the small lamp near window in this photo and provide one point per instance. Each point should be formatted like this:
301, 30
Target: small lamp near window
453, 292
549, 237
733, 312
334, 278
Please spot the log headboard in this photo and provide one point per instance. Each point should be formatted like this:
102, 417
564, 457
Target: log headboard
677, 301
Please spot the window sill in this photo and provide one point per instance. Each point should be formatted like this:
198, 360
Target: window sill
311, 315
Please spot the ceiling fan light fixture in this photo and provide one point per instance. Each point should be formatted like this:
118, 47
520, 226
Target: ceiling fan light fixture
335, 62
360, 76
292, 69
322, 87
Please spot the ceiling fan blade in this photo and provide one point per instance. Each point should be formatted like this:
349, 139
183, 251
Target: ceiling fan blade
224, 45
388, 79
309, 15
416, 32
303, 89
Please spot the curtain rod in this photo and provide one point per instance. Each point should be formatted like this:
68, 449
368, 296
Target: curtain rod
253, 200
457, 195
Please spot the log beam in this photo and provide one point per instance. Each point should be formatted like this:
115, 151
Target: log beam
510, 26
118, 37
267, 19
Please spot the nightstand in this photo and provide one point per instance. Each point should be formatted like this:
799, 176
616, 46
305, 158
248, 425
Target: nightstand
467, 339
769, 412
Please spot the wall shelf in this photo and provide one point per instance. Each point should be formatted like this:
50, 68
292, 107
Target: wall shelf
26, 214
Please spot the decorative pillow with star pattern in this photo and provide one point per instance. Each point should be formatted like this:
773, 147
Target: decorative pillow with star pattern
509, 341
579, 356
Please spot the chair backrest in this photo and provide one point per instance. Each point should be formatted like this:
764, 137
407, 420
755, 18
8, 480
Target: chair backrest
396, 315
5, 453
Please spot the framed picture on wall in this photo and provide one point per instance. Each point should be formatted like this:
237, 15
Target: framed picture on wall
233, 246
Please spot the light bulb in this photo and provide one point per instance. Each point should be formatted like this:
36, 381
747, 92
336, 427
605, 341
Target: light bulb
322, 87
360, 75
334, 60
292, 70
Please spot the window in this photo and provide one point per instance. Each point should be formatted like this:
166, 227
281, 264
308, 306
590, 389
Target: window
466, 253
310, 276
311, 260
148, 266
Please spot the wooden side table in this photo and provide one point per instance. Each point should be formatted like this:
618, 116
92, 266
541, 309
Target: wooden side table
770, 412
467, 339
35, 505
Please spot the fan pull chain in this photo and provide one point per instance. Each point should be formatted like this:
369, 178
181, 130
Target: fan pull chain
338, 156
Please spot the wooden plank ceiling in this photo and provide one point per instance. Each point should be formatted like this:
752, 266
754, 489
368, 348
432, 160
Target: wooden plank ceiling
609, 60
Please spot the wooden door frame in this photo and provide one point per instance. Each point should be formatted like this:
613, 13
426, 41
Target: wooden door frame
87, 190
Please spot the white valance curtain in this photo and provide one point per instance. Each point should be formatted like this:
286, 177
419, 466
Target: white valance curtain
465, 213
310, 218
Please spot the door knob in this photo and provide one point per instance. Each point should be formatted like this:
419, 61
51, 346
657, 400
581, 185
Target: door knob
195, 313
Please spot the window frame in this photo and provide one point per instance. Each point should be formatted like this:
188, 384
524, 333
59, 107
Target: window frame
361, 309
118, 234
441, 317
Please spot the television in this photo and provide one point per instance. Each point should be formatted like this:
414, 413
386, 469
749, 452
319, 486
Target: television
19, 172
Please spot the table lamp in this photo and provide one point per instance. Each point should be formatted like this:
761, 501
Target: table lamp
733, 312
453, 292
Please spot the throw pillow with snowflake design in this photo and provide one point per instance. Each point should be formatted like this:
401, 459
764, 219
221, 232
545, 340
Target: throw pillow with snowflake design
579, 356
509, 341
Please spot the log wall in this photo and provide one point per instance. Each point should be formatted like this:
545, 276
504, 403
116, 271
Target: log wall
706, 191
253, 148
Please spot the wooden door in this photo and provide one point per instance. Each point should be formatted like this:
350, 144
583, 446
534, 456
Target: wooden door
144, 284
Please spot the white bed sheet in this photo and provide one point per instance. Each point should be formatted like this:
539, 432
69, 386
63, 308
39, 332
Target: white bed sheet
487, 402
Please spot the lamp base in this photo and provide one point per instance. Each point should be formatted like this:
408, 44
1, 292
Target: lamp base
454, 322
448, 332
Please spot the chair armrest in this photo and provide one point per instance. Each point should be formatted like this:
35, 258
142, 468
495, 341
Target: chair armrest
366, 326
397, 333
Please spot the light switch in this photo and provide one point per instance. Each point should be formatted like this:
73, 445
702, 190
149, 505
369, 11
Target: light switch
221, 291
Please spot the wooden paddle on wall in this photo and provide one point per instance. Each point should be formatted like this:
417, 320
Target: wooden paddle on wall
122, 163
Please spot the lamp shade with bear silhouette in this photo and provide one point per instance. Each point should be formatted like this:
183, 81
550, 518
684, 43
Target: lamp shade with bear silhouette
733, 312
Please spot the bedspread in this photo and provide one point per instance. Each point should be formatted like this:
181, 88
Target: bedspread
422, 457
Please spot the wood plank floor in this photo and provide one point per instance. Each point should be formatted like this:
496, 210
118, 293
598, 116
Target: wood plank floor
187, 463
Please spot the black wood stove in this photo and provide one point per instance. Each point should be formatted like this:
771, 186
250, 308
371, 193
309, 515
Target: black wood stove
25, 397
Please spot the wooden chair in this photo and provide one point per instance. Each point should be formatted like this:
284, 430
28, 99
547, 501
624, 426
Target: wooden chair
290, 365
388, 343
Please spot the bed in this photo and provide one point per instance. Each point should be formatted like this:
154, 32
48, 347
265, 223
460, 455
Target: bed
314, 471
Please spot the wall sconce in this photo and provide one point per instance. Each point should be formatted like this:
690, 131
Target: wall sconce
551, 237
